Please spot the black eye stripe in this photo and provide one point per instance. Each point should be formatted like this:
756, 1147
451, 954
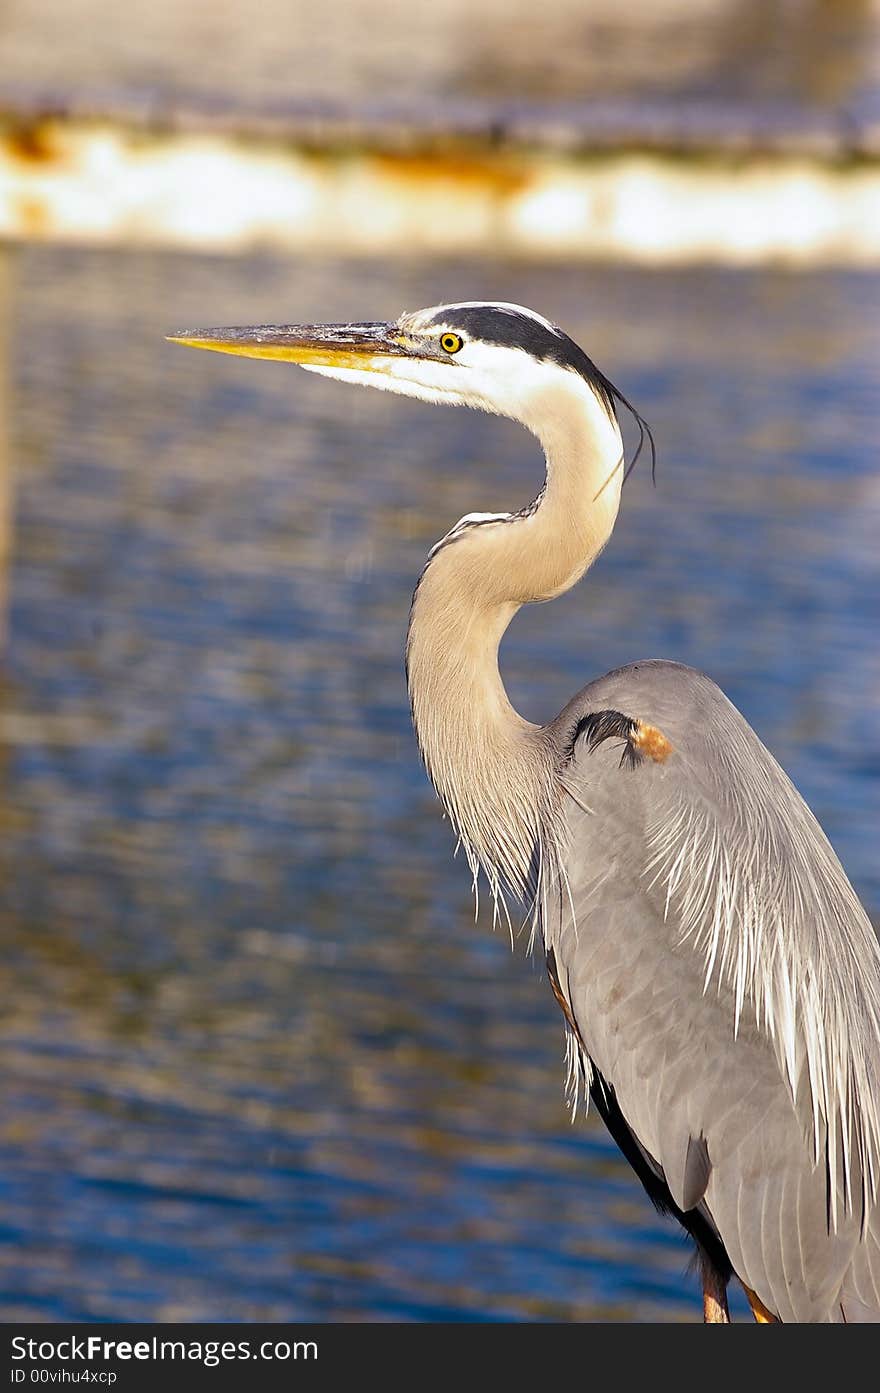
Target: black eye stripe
509, 328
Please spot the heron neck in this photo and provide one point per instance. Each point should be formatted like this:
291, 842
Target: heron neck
495, 771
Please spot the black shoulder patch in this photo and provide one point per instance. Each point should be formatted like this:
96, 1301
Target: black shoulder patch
640, 740
600, 726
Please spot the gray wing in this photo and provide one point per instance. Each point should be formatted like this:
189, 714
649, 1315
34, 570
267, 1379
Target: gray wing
725, 980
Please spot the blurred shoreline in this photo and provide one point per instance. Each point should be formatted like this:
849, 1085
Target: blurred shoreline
725, 132
644, 185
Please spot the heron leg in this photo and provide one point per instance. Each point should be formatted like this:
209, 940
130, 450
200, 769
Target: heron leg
715, 1310
759, 1310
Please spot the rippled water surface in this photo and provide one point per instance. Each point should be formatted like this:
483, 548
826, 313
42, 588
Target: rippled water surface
259, 1061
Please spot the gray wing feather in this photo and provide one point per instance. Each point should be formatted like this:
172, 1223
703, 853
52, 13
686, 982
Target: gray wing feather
863, 1288
697, 1169
717, 1089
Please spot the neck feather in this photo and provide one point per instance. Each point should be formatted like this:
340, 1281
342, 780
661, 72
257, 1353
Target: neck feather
494, 771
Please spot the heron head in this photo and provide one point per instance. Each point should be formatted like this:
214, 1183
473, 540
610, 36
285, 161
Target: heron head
495, 357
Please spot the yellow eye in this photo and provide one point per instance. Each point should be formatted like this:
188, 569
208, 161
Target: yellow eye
450, 342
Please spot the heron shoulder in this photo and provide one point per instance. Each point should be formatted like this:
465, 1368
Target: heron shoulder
681, 703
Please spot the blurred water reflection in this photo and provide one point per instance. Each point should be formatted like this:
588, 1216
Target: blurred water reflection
260, 1063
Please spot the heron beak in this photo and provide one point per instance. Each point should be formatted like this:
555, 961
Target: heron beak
362, 346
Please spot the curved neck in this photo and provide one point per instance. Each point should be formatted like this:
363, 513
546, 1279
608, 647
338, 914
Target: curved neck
493, 770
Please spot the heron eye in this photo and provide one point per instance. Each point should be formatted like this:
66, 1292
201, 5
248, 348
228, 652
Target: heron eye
450, 342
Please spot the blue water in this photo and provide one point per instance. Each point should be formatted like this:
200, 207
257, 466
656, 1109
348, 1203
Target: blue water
260, 1061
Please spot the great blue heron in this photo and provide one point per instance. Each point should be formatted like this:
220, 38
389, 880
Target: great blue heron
719, 979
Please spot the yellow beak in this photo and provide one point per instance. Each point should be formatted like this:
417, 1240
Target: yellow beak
318, 345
